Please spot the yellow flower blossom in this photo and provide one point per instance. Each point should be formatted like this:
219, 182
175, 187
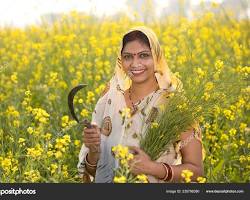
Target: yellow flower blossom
40, 115
62, 142
47, 136
32, 176
121, 179
6, 164
242, 159
84, 112
65, 171
16, 123
30, 130
200, 72
50, 153
9, 164
11, 111
154, 125
65, 121
219, 64
13, 77
242, 127
77, 143
209, 86
35, 152
224, 137
80, 101
187, 174
142, 178
232, 132
58, 154
53, 168
229, 114
21, 141
27, 93
67, 53
201, 179
122, 153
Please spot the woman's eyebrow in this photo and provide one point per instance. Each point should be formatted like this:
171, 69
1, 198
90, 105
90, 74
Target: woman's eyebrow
144, 51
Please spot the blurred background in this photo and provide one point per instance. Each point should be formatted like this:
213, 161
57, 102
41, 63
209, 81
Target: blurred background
25, 12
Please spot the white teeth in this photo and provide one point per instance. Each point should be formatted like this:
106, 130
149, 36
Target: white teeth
137, 71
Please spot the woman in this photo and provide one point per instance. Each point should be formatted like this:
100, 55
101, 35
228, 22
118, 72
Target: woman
141, 82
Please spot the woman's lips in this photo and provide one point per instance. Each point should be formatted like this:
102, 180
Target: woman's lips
138, 72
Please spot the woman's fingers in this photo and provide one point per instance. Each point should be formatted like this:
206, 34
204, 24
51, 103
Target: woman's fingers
92, 143
91, 140
92, 136
135, 150
90, 130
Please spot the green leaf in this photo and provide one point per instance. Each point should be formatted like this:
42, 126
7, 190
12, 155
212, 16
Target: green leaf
218, 168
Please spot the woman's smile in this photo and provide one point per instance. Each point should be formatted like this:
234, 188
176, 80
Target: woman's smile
137, 72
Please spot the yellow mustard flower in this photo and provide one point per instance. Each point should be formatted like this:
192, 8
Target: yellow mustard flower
121, 179
187, 174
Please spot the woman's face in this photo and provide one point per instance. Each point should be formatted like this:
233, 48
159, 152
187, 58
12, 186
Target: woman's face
137, 61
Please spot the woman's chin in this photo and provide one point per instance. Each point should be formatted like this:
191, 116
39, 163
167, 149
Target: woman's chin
139, 80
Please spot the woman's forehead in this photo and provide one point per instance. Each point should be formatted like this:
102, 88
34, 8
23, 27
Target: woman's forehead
135, 47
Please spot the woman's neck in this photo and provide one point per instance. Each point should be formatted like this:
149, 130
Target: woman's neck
140, 90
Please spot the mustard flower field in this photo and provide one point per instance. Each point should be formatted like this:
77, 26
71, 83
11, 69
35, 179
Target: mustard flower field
39, 64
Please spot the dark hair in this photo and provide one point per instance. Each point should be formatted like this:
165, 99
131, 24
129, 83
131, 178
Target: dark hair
135, 35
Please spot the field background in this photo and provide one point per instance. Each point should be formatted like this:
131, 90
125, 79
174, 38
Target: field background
39, 64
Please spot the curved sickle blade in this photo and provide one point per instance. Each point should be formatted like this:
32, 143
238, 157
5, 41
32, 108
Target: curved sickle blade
71, 96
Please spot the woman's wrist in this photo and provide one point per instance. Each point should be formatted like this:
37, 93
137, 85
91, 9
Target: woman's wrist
92, 158
161, 171
156, 169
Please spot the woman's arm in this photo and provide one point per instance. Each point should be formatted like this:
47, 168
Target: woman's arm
191, 159
92, 140
92, 159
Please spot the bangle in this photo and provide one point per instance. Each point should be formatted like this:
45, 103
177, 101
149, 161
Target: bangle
166, 172
88, 164
172, 174
169, 175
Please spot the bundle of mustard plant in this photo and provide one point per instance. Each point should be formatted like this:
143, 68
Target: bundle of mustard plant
187, 106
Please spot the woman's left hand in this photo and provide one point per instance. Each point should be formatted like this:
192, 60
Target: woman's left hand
141, 163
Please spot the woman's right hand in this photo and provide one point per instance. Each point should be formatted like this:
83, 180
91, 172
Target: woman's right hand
92, 140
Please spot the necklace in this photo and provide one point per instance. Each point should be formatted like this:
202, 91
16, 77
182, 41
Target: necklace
134, 107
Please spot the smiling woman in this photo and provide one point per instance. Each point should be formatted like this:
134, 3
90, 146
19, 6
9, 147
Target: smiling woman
141, 84
139, 66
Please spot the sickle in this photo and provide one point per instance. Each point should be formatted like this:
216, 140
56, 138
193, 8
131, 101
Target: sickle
85, 122
71, 96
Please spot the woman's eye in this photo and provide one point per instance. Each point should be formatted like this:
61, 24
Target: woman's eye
144, 55
127, 57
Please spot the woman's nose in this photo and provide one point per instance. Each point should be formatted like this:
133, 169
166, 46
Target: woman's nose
135, 62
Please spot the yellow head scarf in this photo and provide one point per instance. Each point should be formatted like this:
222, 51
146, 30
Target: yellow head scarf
163, 74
